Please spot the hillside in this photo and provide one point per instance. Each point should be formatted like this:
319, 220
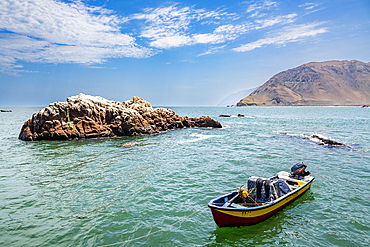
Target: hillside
234, 98
317, 83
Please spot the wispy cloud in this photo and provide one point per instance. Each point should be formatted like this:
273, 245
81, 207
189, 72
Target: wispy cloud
258, 7
50, 31
308, 5
56, 32
311, 7
288, 34
212, 50
222, 34
171, 26
268, 22
261, 5
163, 23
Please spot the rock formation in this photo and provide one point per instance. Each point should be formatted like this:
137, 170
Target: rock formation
325, 83
85, 116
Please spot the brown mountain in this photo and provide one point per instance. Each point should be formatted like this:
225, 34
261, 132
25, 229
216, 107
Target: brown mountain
323, 83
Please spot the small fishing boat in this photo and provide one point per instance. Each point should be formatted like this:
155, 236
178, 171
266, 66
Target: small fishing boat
261, 198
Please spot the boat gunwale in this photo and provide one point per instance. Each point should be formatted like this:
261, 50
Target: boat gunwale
265, 206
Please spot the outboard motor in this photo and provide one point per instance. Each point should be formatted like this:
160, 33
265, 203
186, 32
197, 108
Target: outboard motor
299, 169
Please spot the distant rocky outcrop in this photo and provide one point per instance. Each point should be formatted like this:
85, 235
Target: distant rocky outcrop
85, 116
323, 83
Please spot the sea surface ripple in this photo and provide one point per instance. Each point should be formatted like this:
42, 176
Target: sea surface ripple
96, 192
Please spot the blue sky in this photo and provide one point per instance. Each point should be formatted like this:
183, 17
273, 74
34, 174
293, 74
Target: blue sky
171, 53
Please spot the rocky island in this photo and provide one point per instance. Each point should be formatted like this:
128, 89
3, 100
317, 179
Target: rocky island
317, 83
85, 116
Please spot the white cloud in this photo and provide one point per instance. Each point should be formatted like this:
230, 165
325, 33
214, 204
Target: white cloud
54, 32
284, 19
261, 5
167, 42
171, 26
257, 14
174, 26
208, 38
286, 35
212, 50
165, 22
51, 31
222, 33
234, 29
308, 5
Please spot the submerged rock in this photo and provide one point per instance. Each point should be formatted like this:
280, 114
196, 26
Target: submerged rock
129, 144
327, 142
318, 139
85, 116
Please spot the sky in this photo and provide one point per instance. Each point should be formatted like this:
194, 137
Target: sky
171, 53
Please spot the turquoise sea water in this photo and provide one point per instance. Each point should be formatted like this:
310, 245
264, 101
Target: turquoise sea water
95, 192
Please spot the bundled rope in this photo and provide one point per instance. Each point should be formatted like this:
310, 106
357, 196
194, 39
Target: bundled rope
245, 195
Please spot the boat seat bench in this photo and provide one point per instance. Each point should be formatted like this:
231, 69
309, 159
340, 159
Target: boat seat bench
273, 188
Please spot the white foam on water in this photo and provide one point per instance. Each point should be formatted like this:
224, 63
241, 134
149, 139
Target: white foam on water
199, 137
294, 135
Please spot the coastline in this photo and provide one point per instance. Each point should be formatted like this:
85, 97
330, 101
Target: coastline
361, 105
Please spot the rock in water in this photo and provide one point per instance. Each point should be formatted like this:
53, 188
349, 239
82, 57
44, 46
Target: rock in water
129, 144
327, 142
85, 116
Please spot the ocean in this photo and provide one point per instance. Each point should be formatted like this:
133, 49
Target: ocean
96, 192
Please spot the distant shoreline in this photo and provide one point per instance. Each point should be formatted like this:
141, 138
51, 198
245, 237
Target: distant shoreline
231, 106
364, 106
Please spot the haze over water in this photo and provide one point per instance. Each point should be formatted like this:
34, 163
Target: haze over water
95, 192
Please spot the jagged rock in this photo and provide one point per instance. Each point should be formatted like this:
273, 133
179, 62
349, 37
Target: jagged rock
327, 142
318, 139
85, 116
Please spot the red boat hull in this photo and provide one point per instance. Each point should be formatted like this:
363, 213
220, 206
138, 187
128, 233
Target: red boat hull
224, 218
